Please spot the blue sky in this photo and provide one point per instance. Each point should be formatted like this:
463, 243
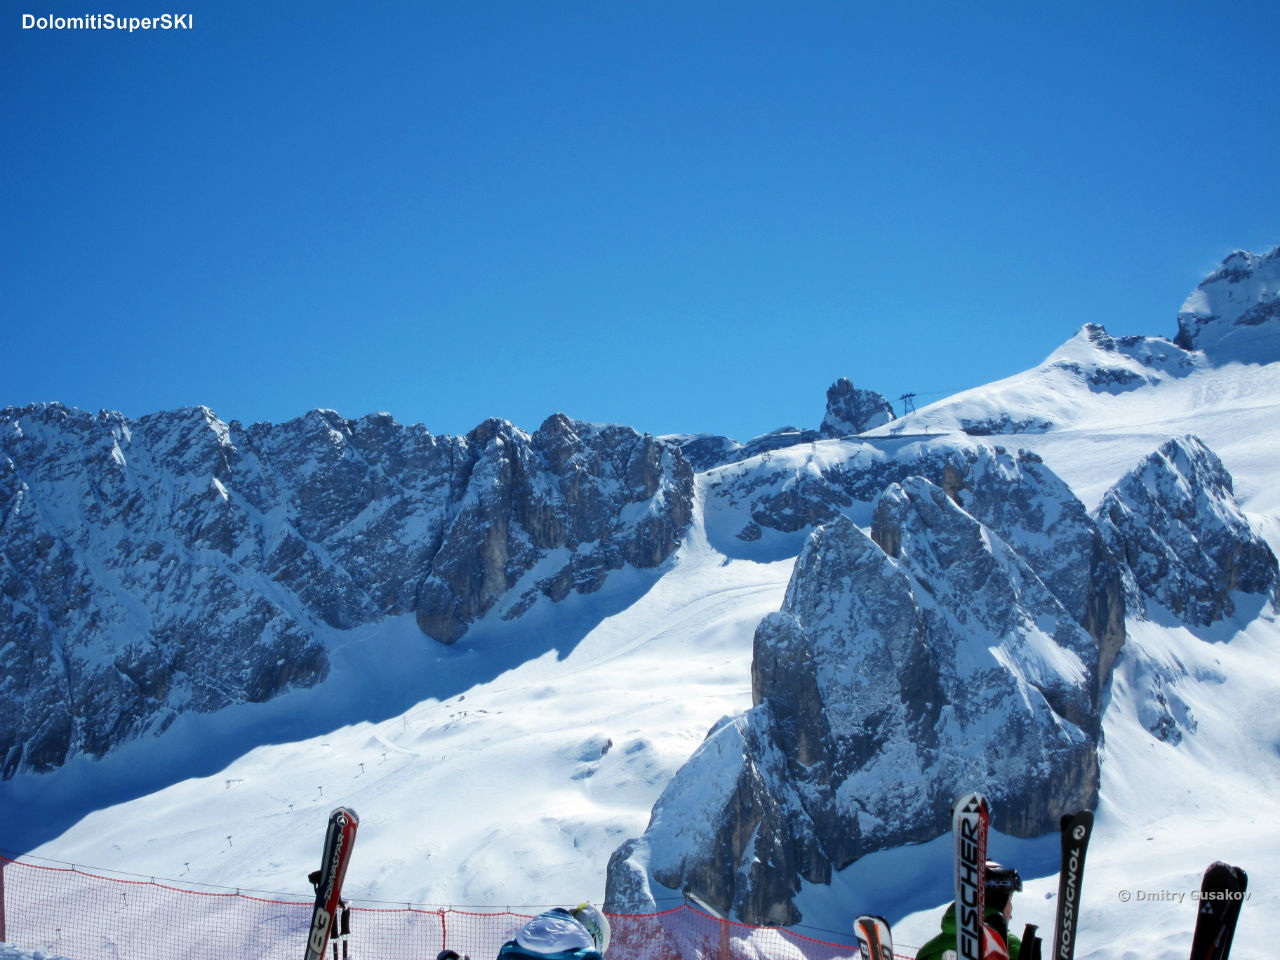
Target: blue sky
687, 217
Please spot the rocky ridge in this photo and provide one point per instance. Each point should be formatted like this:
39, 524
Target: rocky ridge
176, 562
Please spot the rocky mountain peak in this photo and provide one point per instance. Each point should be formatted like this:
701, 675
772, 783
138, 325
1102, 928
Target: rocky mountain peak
902, 667
1186, 544
852, 411
1234, 314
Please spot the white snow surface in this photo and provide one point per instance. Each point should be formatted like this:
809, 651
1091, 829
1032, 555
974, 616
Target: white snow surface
547, 740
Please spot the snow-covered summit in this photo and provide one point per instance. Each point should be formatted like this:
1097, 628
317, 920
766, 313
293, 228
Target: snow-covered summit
1235, 312
1232, 318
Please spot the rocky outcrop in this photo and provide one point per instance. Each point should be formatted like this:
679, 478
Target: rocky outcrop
175, 562
1234, 314
1108, 364
852, 411
1014, 494
604, 496
903, 667
1029, 506
1185, 543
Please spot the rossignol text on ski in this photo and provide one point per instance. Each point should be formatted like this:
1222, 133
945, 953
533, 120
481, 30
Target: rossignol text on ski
1076, 830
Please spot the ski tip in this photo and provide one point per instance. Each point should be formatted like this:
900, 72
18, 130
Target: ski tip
870, 918
1221, 866
971, 802
1080, 816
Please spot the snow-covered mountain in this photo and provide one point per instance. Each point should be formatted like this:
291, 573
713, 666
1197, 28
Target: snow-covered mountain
1235, 312
178, 563
1060, 588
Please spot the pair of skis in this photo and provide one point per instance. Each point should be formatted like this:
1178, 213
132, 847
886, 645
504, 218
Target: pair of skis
971, 821
1222, 891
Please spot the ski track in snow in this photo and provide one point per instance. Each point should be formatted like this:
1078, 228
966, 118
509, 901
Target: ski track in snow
504, 771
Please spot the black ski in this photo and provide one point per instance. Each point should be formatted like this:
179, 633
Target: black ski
1075, 844
874, 938
338, 841
1222, 894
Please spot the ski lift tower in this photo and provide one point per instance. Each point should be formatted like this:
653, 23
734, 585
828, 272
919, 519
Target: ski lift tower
908, 403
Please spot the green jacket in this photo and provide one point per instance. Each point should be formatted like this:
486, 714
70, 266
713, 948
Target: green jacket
946, 940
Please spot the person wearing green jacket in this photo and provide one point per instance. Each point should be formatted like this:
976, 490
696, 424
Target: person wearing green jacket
998, 943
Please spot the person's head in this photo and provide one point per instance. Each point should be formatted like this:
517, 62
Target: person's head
596, 922
1002, 883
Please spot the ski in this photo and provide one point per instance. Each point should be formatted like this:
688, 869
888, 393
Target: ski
1076, 830
969, 823
328, 879
874, 937
1222, 893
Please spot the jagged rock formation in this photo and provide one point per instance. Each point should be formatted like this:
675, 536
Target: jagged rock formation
607, 495
850, 410
175, 562
902, 667
1186, 545
1015, 495
1235, 312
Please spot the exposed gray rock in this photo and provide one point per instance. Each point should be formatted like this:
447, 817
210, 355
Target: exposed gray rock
851, 411
1016, 495
608, 496
903, 668
176, 562
1187, 546
1032, 509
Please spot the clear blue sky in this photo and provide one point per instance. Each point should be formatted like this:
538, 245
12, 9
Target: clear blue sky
687, 217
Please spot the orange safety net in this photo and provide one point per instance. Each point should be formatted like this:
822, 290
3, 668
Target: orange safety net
73, 913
